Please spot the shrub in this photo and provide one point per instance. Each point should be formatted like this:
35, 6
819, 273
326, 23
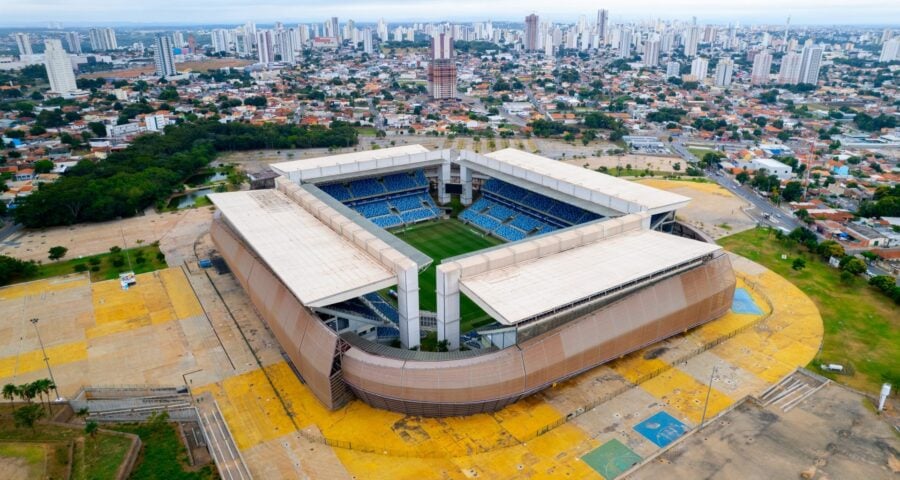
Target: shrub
80, 268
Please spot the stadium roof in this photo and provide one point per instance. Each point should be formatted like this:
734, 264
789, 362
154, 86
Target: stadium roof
605, 190
553, 282
355, 163
316, 263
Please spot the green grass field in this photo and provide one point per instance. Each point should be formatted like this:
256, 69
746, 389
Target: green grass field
440, 240
862, 326
164, 455
104, 266
100, 457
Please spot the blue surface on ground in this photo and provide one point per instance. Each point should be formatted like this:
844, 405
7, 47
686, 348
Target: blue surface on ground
743, 303
661, 429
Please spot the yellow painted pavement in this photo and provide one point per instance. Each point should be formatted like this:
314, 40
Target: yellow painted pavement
42, 287
157, 298
34, 360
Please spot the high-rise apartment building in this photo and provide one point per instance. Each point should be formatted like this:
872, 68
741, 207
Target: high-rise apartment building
890, 51
700, 69
368, 47
286, 42
724, 72
23, 43
73, 42
59, 68
789, 72
383, 30
442, 69
221, 40
103, 39
333, 29
651, 53
602, 24
163, 57
531, 32
810, 63
265, 48
691, 41
673, 69
625, 43
762, 64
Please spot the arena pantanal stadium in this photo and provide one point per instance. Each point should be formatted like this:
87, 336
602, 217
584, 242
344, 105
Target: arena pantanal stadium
522, 271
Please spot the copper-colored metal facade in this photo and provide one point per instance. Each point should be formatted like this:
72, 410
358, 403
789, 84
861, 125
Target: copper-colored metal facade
482, 383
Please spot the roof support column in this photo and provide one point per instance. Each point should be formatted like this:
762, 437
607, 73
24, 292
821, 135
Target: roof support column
443, 178
408, 306
448, 307
465, 176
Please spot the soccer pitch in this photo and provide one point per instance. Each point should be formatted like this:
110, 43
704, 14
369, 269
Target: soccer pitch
444, 239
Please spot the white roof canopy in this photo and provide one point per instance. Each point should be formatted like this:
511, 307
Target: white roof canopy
316, 263
529, 289
614, 193
356, 163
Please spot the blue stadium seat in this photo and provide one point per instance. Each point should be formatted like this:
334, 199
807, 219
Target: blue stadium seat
373, 209
366, 187
526, 223
509, 233
500, 212
337, 191
399, 182
387, 221
417, 215
383, 306
408, 202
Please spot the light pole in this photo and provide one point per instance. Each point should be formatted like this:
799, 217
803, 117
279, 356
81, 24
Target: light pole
34, 322
708, 392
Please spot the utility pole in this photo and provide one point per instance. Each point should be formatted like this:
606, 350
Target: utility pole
708, 392
34, 322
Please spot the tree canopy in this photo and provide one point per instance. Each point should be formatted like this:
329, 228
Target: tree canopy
149, 170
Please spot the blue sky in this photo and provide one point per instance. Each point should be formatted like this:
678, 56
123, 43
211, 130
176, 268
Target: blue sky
85, 12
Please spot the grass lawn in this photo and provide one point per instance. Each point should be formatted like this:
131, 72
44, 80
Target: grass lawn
699, 152
100, 458
366, 131
105, 264
163, 455
30, 456
440, 240
862, 326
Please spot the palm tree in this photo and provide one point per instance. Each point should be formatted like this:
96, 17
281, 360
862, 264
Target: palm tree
42, 387
27, 392
10, 392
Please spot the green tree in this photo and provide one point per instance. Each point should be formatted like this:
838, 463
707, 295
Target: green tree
57, 252
27, 416
742, 177
43, 166
854, 266
91, 428
792, 191
798, 264
10, 392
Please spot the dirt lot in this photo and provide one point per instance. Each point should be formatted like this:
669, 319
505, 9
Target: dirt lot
203, 66
712, 209
832, 435
175, 231
637, 162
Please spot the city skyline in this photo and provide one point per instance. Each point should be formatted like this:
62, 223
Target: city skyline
168, 12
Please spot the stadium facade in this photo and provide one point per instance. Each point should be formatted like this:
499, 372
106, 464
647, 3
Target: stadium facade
593, 267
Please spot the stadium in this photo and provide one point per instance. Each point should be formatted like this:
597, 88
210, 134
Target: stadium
527, 271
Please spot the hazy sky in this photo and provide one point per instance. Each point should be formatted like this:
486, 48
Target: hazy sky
82, 12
